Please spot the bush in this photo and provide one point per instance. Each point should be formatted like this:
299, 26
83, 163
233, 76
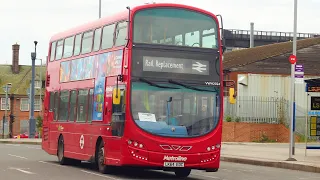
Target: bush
39, 124
228, 119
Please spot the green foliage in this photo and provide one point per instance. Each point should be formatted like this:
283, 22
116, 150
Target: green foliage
39, 122
264, 139
237, 119
228, 118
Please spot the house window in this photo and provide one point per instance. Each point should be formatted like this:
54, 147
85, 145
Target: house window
37, 104
3, 104
24, 104
37, 84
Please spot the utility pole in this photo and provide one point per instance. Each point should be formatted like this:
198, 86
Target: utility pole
251, 35
294, 49
32, 122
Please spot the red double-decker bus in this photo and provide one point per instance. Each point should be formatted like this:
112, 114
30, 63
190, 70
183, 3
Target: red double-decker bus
141, 88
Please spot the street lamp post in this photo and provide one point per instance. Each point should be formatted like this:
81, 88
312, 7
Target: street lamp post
294, 49
32, 122
6, 88
99, 9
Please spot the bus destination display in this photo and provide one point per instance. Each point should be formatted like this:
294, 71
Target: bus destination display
175, 65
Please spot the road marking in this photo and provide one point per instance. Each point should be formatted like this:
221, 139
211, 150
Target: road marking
17, 156
12, 144
88, 172
21, 170
50, 163
211, 177
31, 147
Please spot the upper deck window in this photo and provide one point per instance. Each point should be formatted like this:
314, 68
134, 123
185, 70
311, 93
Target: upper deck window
77, 44
107, 36
87, 42
59, 50
68, 47
97, 39
121, 34
53, 50
175, 26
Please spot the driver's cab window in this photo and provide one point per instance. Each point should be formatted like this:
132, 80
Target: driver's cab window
119, 108
118, 113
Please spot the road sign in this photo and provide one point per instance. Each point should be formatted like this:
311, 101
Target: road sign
292, 59
299, 74
315, 103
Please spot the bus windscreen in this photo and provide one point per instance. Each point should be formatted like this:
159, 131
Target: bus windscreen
175, 26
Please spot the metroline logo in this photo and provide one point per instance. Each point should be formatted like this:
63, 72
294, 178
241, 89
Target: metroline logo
174, 158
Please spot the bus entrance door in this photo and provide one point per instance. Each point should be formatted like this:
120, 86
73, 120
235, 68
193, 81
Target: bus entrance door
115, 118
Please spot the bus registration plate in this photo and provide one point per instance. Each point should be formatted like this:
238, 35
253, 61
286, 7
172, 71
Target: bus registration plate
173, 164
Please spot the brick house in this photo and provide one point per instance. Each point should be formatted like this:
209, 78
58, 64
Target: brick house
18, 102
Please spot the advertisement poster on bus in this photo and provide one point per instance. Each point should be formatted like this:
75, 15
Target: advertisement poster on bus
108, 64
64, 71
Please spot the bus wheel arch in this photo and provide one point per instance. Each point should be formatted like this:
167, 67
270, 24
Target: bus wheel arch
100, 157
96, 151
60, 154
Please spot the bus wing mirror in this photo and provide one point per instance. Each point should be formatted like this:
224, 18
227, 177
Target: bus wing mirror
116, 96
232, 98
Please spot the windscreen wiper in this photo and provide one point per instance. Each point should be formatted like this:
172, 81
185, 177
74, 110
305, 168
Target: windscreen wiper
189, 87
156, 85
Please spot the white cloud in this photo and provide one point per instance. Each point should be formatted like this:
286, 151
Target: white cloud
25, 21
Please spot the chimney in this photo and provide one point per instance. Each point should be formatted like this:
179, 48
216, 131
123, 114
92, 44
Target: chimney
15, 58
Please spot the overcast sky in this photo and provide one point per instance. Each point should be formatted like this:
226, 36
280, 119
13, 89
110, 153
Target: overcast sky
23, 21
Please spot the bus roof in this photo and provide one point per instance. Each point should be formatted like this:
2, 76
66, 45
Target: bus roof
117, 17
91, 25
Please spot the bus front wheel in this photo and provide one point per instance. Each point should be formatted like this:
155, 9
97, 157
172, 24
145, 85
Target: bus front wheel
103, 168
182, 173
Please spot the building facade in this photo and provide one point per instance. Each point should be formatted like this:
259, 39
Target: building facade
18, 107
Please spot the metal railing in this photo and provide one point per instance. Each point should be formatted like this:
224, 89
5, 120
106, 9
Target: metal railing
255, 109
266, 35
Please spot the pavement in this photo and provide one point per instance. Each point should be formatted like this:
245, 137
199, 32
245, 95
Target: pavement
261, 154
273, 155
30, 162
21, 141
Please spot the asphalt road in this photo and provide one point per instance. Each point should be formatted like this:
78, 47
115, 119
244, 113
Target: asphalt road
29, 162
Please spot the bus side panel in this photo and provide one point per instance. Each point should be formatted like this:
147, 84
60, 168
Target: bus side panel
81, 141
47, 118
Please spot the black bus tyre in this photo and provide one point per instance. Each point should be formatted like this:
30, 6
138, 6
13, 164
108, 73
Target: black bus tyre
103, 168
61, 158
182, 173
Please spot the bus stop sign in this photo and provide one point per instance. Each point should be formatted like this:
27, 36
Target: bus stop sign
292, 59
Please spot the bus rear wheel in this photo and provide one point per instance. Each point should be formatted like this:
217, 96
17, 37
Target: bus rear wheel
182, 173
61, 158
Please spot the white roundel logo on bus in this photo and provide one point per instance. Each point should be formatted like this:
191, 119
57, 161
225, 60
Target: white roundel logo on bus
173, 129
81, 142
